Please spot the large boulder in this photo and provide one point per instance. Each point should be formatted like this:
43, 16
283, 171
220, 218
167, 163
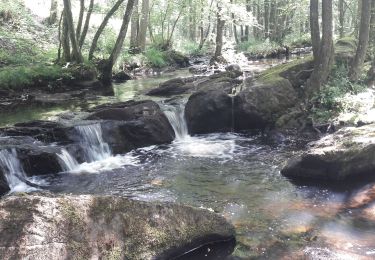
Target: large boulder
131, 125
262, 103
209, 112
222, 104
347, 154
98, 227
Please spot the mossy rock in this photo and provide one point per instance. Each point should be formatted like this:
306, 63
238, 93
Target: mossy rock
345, 49
176, 58
104, 227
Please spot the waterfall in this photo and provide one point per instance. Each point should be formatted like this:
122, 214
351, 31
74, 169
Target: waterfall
176, 117
92, 142
67, 161
12, 169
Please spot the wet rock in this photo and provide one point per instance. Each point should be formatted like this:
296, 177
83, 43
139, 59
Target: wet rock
261, 104
169, 88
121, 76
45, 131
176, 59
234, 69
209, 112
347, 154
42, 226
4, 188
132, 125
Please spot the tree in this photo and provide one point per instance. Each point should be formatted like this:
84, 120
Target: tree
77, 55
144, 24
80, 18
314, 27
101, 28
52, 19
108, 66
364, 32
134, 29
87, 23
220, 24
324, 62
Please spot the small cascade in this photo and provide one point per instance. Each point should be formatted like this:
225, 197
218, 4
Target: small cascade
92, 142
67, 161
12, 169
176, 117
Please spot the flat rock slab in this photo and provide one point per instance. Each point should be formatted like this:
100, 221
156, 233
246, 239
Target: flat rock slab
347, 154
43, 226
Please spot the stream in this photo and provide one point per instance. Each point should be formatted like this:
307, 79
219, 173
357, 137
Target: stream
235, 175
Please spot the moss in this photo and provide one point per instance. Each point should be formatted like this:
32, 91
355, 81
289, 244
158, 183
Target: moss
273, 74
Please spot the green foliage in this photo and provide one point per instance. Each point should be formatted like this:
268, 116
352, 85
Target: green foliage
330, 102
20, 76
155, 58
297, 41
107, 42
191, 48
254, 46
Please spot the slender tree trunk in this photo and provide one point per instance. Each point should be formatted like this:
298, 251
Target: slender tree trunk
219, 34
52, 19
341, 18
107, 70
77, 56
266, 18
324, 63
314, 25
372, 25
60, 36
364, 32
143, 24
134, 29
80, 18
101, 28
65, 39
86, 25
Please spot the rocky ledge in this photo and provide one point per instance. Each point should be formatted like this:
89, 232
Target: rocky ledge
347, 154
44, 226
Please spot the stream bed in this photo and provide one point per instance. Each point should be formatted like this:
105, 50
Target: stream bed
236, 175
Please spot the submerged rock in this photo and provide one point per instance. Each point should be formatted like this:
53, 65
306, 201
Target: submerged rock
347, 154
98, 227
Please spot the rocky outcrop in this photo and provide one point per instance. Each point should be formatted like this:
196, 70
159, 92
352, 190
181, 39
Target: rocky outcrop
121, 76
131, 125
97, 227
171, 87
222, 104
347, 154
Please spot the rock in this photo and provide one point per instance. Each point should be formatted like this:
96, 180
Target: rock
44, 226
121, 76
4, 188
209, 112
347, 154
133, 125
261, 104
171, 87
345, 49
45, 131
235, 69
177, 59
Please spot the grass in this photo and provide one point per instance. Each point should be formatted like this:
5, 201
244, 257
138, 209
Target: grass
258, 47
17, 77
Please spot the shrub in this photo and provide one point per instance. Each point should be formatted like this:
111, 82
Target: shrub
155, 58
258, 47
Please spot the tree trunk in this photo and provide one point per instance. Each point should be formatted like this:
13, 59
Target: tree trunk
341, 18
65, 39
324, 63
143, 24
266, 18
77, 56
314, 25
372, 24
134, 28
52, 19
219, 34
101, 28
107, 70
86, 25
60, 37
80, 18
364, 32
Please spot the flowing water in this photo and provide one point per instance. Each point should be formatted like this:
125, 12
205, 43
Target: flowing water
236, 175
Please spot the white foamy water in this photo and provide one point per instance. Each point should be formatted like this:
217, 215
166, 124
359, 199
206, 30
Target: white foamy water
107, 164
176, 117
13, 172
67, 161
92, 142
